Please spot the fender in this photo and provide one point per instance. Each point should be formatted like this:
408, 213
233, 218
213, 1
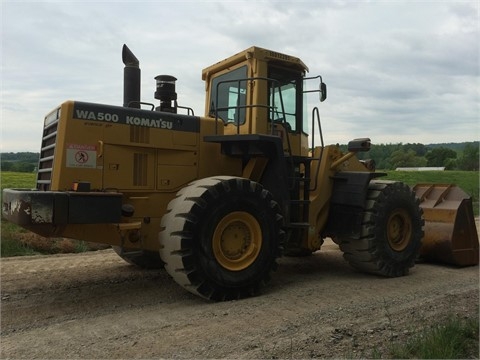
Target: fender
246, 146
348, 203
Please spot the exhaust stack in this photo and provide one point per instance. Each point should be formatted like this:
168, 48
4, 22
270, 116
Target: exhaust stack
131, 79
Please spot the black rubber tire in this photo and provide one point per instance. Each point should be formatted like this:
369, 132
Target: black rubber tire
392, 231
145, 260
191, 226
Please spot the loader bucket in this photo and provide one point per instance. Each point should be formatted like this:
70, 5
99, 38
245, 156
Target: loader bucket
450, 233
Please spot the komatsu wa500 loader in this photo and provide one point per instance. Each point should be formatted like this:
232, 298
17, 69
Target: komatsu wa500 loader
216, 199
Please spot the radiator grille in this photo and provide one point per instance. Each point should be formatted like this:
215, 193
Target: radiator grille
47, 152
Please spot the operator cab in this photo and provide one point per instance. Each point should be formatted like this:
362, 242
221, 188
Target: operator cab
259, 91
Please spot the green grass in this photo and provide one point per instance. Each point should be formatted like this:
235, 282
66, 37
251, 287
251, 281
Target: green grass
454, 339
17, 180
10, 245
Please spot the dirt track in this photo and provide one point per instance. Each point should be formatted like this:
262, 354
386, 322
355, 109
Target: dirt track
94, 305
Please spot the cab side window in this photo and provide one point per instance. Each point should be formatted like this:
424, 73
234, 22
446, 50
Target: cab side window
285, 97
283, 102
229, 96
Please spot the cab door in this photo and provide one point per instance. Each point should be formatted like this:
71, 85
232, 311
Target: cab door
287, 103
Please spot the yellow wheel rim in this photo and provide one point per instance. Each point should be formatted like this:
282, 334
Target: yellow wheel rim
237, 241
399, 229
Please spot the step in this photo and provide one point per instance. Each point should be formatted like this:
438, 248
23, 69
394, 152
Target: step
300, 179
131, 253
298, 225
301, 202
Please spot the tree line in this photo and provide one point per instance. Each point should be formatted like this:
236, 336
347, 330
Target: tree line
452, 156
19, 162
464, 156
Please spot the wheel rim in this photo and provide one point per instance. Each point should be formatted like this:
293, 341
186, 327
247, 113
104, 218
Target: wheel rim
399, 229
237, 241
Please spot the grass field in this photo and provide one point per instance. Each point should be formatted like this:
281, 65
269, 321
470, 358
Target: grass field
17, 180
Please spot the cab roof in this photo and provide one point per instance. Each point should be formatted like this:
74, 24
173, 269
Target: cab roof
256, 53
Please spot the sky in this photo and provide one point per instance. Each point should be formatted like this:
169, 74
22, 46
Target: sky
396, 71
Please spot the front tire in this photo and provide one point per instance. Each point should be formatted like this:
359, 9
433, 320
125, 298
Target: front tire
391, 234
221, 236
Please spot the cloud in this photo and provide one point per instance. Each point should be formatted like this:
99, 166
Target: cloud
396, 71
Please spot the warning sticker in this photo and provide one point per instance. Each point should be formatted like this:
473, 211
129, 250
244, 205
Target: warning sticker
81, 156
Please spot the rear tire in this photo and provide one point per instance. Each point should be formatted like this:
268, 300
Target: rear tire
391, 234
221, 236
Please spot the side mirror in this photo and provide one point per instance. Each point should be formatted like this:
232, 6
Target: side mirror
323, 92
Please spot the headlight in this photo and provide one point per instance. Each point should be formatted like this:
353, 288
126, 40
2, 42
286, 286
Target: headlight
52, 117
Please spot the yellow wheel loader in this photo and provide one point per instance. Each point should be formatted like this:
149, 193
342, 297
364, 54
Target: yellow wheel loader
216, 199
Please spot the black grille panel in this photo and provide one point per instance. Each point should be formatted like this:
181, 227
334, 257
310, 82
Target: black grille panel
47, 151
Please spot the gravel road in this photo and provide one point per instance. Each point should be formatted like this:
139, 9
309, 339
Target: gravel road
94, 305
